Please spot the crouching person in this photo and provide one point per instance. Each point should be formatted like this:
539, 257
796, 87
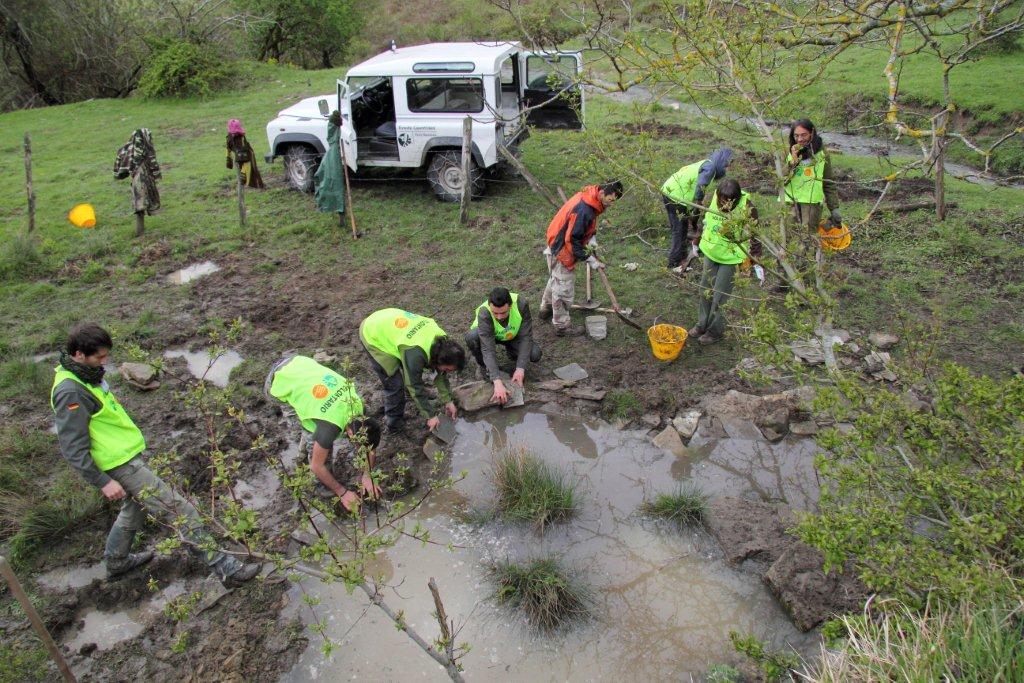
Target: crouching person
99, 439
327, 404
503, 319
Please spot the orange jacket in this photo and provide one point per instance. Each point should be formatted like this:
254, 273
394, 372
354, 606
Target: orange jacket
574, 225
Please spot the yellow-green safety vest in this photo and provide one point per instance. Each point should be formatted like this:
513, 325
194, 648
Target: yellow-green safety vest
505, 332
316, 392
390, 328
113, 437
682, 185
714, 244
807, 184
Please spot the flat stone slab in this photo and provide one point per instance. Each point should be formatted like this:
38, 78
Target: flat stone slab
473, 396
686, 424
807, 593
445, 430
669, 440
431, 447
586, 393
809, 351
883, 341
804, 428
572, 372
749, 529
516, 396
552, 385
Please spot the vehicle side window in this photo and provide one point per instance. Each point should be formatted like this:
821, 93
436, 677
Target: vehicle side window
463, 95
547, 73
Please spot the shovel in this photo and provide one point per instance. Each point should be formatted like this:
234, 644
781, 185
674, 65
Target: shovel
589, 304
615, 302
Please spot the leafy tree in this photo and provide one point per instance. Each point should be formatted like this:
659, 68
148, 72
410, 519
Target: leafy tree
313, 33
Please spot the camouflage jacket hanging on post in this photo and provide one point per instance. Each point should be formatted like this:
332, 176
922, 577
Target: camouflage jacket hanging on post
137, 160
240, 152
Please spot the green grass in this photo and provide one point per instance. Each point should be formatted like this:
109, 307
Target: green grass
24, 664
686, 505
965, 642
530, 490
25, 455
543, 591
621, 404
24, 376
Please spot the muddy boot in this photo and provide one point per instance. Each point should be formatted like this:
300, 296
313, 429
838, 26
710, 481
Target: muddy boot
570, 331
545, 312
694, 332
244, 573
124, 565
394, 425
708, 338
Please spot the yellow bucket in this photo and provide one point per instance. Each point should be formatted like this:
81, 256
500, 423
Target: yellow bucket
82, 216
666, 340
835, 239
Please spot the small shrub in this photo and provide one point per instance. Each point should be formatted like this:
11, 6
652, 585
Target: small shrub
181, 69
723, 673
543, 591
687, 505
774, 663
20, 261
528, 490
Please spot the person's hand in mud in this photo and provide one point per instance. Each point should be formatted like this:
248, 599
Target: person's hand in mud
350, 500
369, 488
450, 408
500, 394
113, 490
518, 376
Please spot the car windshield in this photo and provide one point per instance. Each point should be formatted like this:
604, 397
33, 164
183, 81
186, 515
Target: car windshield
358, 84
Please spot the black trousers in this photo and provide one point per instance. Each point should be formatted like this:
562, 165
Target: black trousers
679, 218
511, 346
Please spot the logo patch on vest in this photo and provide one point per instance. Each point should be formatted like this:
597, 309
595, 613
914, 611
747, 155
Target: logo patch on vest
401, 323
320, 391
808, 172
330, 380
509, 335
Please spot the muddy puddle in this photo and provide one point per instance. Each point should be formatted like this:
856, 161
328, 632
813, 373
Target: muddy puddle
65, 578
663, 599
200, 366
192, 272
107, 629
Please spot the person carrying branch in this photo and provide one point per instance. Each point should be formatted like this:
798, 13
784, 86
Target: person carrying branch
326, 404
401, 346
102, 443
726, 242
240, 152
569, 234
810, 184
504, 318
686, 187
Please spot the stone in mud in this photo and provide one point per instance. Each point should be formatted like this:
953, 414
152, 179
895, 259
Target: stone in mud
808, 351
321, 356
876, 362
516, 395
804, 428
883, 341
741, 429
445, 430
651, 419
686, 424
140, 375
571, 373
213, 590
771, 411
431, 447
749, 529
473, 396
771, 435
586, 393
668, 439
808, 594
551, 385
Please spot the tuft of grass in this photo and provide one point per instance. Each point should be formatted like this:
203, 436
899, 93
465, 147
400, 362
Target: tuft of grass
21, 261
25, 455
546, 593
67, 506
24, 377
621, 404
529, 490
967, 641
687, 505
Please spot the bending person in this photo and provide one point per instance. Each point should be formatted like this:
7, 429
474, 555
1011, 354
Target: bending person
100, 440
401, 346
326, 404
504, 318
685, 187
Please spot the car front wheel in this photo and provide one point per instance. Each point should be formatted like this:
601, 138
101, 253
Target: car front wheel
445, 175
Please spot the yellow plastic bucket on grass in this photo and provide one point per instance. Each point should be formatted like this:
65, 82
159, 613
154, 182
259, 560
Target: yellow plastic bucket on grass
835, 239
82, 216
666, 340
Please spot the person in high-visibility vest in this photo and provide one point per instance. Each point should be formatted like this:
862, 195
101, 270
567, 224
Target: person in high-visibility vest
504, 318
401, 346
810, 184
326, 404
726, 242
102, 443
684, 188
569, 234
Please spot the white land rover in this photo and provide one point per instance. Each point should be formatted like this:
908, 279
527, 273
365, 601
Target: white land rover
405, 108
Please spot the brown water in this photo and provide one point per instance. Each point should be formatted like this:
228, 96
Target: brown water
199, 364
664, 601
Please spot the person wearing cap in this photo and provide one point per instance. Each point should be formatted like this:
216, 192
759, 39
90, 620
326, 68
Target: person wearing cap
102, 443
681, 191
326, 404
569, 234
504, 318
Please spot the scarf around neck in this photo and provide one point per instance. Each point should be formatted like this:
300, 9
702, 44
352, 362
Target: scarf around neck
83, 372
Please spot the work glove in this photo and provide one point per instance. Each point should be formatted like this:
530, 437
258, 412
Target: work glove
594, 263
834, 219
694, 251
759, 274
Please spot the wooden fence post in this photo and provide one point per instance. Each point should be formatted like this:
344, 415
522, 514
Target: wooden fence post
467, 156
241, 196
33, 617
28, 184
140, 223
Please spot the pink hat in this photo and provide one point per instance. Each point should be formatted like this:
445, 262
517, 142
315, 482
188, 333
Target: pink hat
235, 127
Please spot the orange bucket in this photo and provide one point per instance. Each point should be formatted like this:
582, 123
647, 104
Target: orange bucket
666, 341
835, 239
82, 216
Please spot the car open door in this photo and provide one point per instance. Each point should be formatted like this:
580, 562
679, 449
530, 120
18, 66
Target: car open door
348, 130
551, 89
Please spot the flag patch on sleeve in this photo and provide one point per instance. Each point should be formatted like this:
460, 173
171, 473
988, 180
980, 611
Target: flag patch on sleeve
73, 406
